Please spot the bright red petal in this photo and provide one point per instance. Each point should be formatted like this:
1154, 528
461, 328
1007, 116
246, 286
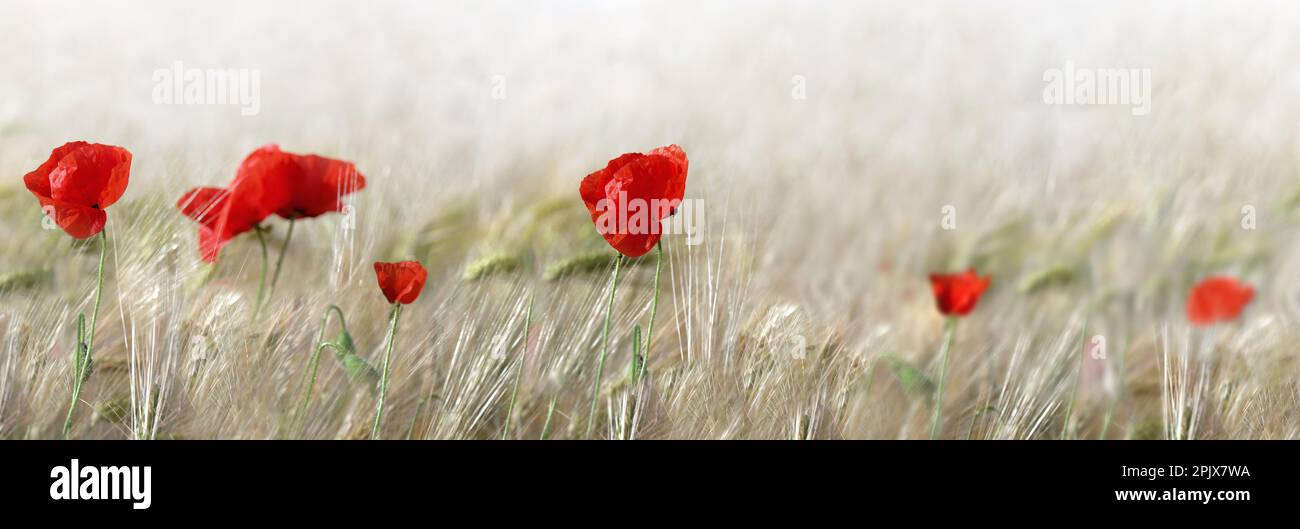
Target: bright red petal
318, 185
401, 282
80, 222
92, 175
203, 202
630, 197
957, 294
1218, 299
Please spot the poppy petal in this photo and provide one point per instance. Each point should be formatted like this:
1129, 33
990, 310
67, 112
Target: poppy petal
957, 294
1218, 299
630, 197
401, 282
91, 175
80, 222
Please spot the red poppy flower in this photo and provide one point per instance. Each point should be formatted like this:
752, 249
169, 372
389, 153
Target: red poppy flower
631, 196
223, 214
315, 183
1217, 299
269, 181
957, 294
78, 182
401, 282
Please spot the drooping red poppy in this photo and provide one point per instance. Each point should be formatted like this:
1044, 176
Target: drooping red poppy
78, 182
1216, 299
629, 198
224, 214
957, 294
315, 183
269, 181
401, 282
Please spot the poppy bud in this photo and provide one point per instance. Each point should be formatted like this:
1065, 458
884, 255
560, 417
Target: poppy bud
401, 282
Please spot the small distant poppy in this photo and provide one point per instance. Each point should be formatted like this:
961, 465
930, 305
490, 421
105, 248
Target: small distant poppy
401, 282
629, 198
957, 294
78, 182
1217, 299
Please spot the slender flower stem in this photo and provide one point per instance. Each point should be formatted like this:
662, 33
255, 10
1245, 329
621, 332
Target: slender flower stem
321, 344
383, 382
654, 308
950, 329
523, 358
604, 345
261, 282
279, 261
311, 380
81, 359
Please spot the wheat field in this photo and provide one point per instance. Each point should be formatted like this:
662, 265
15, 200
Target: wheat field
802, 313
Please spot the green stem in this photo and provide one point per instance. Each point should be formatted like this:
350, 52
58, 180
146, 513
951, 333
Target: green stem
523, 358
81, 360
314, 363
311, 378
261, 281
279, 261
383, 382
604, 345
654, 308
950, 329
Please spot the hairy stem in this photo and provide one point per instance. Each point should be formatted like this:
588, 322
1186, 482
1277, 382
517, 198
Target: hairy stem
604, 345
81, 358
311, 379
314, 363
388, 367
654, 308
950, 329
261, 281
279, 261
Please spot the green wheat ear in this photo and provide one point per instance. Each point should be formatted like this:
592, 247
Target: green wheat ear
24, 280
1147, 430
494, 264
1058, 275
587, 263
112, 410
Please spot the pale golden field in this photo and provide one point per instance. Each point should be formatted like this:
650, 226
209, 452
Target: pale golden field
804, 312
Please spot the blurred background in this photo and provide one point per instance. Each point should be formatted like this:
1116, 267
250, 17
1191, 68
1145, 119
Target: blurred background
826, 141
